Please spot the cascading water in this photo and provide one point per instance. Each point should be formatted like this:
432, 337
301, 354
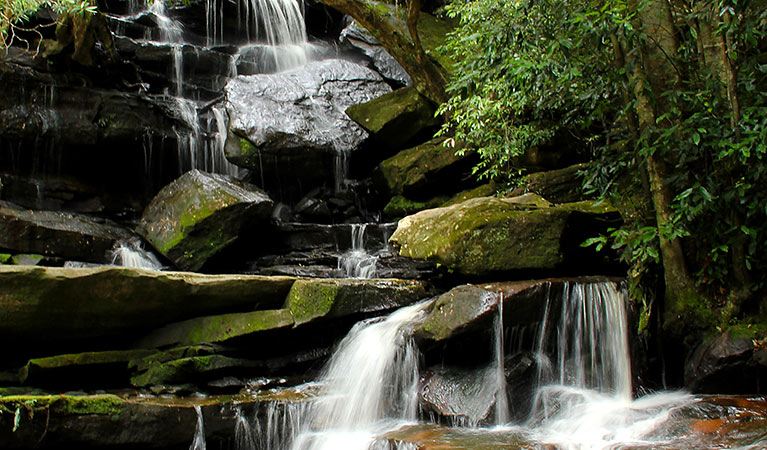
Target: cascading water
198, 443
130, 253
357, 262
370, 385
584, 394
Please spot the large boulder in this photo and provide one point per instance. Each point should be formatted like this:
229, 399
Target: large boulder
488, 235
395, 119
64, 235
294, 121
425, 170
199, 214
309, 300
56, 309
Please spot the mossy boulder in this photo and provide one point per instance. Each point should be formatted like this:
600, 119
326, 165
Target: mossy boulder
95, 369
311, 299
65, 235
200, 214
488, 235
559, 186
54, 308
425, 170
394, 119
4, 258
217, 329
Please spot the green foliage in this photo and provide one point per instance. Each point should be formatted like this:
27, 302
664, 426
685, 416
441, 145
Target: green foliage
526, 71
15, 13
529, 70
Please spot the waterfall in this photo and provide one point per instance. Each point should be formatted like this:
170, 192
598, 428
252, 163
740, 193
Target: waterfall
584, 394
369, 385
357, 262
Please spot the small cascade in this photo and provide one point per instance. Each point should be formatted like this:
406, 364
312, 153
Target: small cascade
198, 443
357, 262
130, 253
584, 394
272, 428
369, 385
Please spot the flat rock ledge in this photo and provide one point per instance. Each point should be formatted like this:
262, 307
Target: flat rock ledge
55, 305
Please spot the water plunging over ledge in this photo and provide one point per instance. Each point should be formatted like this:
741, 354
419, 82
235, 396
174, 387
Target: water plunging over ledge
583, 400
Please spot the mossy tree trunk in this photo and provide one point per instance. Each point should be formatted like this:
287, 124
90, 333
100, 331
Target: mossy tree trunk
652, 75
395, 28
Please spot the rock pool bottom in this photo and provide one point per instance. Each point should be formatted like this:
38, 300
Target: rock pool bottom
132, 421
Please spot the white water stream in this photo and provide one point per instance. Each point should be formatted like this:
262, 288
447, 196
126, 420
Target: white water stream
583, 399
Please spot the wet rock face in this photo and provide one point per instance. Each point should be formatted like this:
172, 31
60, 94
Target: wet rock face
292, 124
58, 234
385, 64
199, 214
733, 361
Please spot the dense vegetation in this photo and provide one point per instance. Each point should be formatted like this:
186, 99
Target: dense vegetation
15, 15
671, 98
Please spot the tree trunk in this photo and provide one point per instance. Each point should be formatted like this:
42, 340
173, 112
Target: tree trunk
396, 30
652, 76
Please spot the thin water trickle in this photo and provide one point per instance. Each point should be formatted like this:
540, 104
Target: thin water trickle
198, 443
501, 399
357, 262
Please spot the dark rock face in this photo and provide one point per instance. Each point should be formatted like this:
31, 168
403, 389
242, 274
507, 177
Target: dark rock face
466, 397
558, 186
199, 214
60, 308
425, 170
385, 64
731, 362
131, 421
59, 234
294, 122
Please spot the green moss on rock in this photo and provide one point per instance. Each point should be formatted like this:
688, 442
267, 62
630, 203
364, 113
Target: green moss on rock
104, 404
218, 328
423, 170
188, 370
485, 235
48, 370
199, 214
395, 118
400, 206
4, 258
311, 299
